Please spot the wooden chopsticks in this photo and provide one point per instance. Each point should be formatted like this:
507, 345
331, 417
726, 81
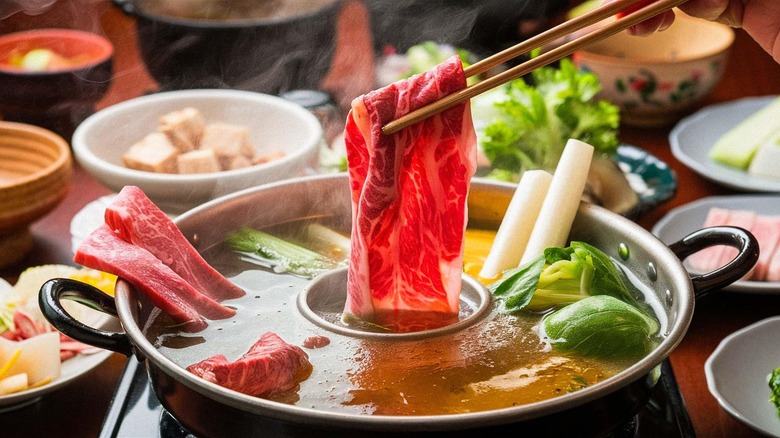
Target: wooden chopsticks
563, 29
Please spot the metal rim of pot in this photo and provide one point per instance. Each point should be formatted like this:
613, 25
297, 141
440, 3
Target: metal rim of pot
688, 287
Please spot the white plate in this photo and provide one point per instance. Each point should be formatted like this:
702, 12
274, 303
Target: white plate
740, 385
72, 369
693, 137
683, 220
88, 219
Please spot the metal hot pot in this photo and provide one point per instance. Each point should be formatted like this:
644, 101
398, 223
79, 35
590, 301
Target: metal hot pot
210, 410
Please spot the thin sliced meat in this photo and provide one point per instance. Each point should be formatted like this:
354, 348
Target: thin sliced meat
270, 366
409, 193
105, 251
744, 219
135, 218
773, 266
766, 229
707, 259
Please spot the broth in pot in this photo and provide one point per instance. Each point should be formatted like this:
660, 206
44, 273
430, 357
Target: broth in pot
495, 361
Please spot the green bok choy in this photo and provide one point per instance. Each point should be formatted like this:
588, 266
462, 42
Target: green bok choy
595, 312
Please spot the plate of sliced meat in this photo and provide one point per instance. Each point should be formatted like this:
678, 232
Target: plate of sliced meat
759, 214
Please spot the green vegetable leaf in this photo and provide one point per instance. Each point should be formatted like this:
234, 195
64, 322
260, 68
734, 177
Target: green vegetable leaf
279, 254
428, 54
9, 302
560, 277
774, 385
517, 287
601, 326
7, 316
608, 279
536, 119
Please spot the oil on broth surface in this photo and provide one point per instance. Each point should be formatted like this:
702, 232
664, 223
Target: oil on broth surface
496, 363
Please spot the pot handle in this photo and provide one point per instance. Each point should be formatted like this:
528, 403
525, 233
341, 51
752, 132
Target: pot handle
49, 300
732, 271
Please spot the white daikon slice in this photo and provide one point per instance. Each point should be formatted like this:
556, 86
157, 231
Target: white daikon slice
8, 358
563, 198
13, 383
764, 163
40, 358
519, 219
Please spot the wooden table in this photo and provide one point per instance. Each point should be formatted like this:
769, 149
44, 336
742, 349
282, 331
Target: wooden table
79, 410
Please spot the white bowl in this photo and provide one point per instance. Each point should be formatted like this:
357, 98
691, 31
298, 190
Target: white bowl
274, 124
737, 374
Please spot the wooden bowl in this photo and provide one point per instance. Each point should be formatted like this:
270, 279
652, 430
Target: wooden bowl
35, 175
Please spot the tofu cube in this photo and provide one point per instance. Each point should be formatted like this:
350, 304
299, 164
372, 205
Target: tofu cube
154, 153
184, 128
198, 161
275, 155
238, 162
227, 141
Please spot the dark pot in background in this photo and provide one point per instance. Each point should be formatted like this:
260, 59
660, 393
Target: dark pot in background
482, 26
264, 54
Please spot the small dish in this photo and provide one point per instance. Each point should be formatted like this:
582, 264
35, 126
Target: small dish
740, 385
71, 370
650, 177
687, 218
693, 137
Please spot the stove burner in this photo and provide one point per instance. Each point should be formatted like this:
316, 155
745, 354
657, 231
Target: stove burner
136, 412
170, 428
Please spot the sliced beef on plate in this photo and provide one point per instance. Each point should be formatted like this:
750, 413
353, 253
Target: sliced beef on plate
135, 218
714, 257
105, 251
738, 218
772, 265
409, 193
766, 229
270, 366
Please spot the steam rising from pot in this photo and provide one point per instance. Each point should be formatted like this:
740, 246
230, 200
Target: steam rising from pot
29, 7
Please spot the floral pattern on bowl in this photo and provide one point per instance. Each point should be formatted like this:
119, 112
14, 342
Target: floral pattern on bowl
651, 90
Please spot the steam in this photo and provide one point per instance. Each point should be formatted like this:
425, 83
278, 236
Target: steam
29, 7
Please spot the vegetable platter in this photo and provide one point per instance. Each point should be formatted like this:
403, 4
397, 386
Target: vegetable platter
34, 358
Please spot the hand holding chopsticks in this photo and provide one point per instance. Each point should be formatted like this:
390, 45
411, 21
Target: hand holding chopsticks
570, 26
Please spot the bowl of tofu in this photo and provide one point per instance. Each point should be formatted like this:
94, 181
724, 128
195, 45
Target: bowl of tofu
184, 148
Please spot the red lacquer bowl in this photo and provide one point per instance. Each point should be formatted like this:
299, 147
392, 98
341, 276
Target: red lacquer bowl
59, 97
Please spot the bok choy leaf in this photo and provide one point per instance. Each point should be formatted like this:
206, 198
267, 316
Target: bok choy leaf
601, 326
559, 277
279, 254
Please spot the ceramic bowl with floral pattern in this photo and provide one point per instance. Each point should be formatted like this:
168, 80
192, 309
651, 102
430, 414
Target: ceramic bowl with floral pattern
658, 79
